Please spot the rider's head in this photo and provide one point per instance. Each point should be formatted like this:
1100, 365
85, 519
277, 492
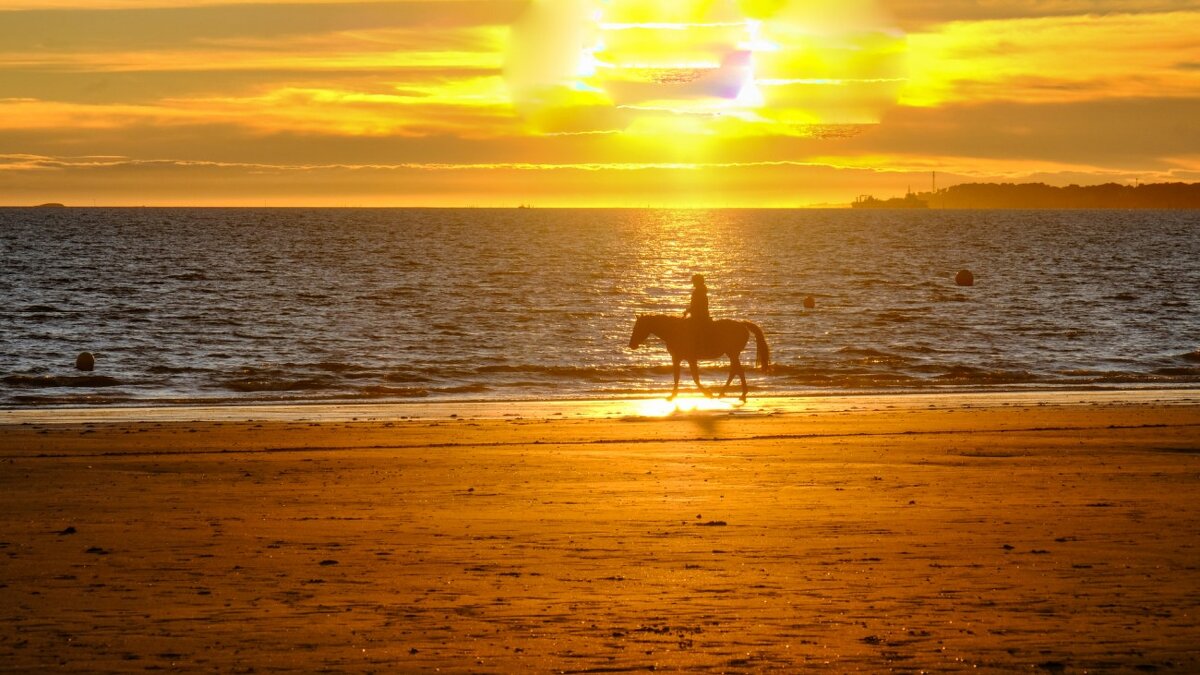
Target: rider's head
697, 279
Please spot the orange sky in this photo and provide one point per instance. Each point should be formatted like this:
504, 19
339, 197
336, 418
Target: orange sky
586, 102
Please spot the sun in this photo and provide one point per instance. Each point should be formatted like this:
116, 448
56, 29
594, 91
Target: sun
726, 67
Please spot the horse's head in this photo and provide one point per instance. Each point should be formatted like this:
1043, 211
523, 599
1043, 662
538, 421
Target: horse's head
641, 331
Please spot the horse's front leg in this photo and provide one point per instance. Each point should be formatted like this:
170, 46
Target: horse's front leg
693, 365
675, 389
742, 374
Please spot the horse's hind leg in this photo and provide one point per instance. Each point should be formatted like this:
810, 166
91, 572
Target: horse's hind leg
734, 366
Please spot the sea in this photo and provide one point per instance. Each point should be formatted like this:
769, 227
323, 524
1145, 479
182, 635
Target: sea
248, 305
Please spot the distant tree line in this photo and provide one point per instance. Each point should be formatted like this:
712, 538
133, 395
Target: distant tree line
1042, 196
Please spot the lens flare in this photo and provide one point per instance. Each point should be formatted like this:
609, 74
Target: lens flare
702, 67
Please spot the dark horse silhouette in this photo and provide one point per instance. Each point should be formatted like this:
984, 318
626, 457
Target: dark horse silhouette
723, 338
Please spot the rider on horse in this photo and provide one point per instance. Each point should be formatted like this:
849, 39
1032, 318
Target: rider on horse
695, 336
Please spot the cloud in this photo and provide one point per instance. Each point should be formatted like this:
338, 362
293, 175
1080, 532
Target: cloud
123, 181
1122, 134
103, 5
172, 27
403, 68
924, 15
1055, 59
103, 180
292, 109
147, 87
975, 138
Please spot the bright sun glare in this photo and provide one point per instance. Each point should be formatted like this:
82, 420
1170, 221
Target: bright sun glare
661, 407
731, 67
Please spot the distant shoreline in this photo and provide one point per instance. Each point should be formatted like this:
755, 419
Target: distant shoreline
1172, 196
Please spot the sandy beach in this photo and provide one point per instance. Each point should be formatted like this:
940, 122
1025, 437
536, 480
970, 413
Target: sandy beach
1053, 533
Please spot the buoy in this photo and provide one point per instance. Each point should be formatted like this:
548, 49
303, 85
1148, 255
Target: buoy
809, 302
964, 278
85, 361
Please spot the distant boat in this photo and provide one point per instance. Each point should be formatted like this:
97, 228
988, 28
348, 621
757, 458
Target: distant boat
909, 201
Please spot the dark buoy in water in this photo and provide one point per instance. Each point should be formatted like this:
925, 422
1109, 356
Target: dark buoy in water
964, 278
85, 361
809, 302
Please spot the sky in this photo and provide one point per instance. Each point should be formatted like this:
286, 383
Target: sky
609, 103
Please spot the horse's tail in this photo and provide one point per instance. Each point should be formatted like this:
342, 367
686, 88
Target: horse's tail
762, 353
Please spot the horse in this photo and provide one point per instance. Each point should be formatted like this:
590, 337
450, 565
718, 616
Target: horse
722, 338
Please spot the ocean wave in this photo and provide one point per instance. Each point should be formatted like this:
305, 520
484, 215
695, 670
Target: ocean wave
256, 384
330, 366
856, 375
895, 316
393, 392
219, 321
1178, 371
465, 389
47, 381
173, 370
73, 399
257, 338
562, 372
976, 376
1083, 373
866, 355
405, 375
1139, 378
848, 378
188, 276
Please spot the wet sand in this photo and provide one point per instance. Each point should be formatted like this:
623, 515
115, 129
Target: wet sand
850, 534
